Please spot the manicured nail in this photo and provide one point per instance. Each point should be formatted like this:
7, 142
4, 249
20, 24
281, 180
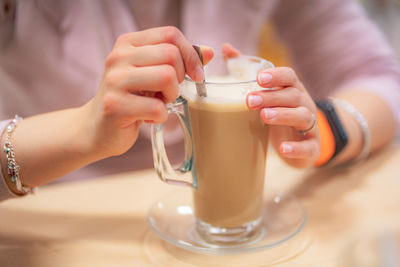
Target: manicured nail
264, 78
254, 100
199, 74
269, 113
287, 148
207, 54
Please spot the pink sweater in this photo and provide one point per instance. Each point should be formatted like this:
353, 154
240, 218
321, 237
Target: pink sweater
52, 52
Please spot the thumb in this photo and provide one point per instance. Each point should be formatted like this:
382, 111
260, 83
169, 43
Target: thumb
205, 53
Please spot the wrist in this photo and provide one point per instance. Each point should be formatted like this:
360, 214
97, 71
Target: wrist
333, 136
3, 164
11, 168
101, 139
86, 134
344, 133
355, 136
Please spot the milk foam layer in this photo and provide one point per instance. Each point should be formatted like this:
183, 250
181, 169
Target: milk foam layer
229, 87
223, 91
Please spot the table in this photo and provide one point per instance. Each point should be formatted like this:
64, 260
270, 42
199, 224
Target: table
102, 222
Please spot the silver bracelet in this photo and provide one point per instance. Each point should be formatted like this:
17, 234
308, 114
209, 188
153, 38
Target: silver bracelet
362, 122
12, 165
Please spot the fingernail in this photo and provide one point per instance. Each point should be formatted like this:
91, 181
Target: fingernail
269, 113
207, 54
264, 78
199, 74
287, 148
254, 100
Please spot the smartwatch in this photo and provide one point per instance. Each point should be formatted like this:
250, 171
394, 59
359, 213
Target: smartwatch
333, 136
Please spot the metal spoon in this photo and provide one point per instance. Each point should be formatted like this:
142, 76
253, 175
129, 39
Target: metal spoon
200, 86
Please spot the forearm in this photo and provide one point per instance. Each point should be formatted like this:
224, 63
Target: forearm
50, 145
380, 118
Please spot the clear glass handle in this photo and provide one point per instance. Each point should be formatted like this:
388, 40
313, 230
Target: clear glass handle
164, 169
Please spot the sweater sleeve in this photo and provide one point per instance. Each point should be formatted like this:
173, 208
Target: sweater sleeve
5, 192
335, 46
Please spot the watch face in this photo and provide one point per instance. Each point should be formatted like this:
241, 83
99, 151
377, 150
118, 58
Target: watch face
335, 124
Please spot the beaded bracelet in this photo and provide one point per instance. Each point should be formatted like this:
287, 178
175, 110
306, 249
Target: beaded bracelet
12, 166
362, 122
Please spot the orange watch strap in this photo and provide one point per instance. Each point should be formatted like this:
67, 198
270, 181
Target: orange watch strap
327, 140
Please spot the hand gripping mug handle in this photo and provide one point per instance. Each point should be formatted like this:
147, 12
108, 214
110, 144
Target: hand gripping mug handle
166, 172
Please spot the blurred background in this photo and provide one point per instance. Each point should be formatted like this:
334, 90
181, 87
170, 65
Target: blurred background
385, 13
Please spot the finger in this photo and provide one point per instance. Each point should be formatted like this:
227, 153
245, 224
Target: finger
300, 118
207, 53
148, 55
172, 35
305, 149
287, 97
278, 77
228, 51
132, 108
160, 78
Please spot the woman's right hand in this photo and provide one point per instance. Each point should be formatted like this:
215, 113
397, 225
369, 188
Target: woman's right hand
141, 75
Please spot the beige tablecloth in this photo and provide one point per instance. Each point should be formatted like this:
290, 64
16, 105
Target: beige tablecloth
103, 222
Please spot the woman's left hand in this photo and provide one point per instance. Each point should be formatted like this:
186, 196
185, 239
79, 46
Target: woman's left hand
292, 114
290, 111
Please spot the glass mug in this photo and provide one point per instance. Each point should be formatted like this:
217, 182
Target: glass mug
225, 151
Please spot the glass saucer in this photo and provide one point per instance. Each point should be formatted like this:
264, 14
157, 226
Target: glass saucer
172, 218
